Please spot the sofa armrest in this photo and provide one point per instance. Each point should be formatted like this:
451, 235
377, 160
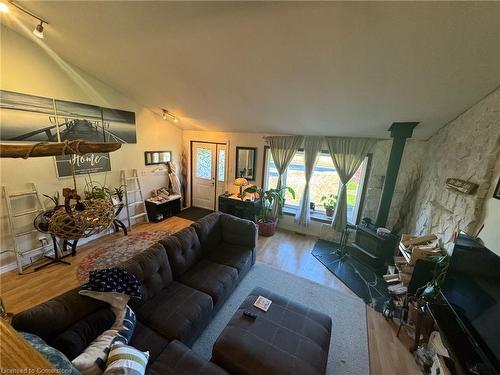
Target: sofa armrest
241, 232
178, 359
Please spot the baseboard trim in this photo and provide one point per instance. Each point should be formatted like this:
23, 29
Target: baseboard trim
8, 267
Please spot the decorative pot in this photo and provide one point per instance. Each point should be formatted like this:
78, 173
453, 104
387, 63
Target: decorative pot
267, 229
329, 211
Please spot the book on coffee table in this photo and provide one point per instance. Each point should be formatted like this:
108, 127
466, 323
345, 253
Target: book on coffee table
262, 303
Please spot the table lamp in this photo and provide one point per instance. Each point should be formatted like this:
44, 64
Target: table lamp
240, 182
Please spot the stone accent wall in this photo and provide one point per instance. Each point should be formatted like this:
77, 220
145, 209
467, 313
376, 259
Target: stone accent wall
466, 148
410, 163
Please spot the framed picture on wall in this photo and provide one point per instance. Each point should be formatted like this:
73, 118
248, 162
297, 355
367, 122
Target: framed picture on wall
496, 193
157, 157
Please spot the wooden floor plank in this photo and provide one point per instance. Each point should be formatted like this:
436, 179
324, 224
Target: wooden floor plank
287, 251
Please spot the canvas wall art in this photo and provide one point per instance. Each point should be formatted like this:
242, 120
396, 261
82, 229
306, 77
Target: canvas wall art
34, 118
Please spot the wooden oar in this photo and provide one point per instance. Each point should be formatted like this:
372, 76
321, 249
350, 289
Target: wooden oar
36, 150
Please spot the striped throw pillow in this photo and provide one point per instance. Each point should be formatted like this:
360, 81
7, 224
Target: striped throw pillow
126, 360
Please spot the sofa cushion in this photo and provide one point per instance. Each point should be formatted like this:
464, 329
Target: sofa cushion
238, 231
209, 231
49, 319
236, 256
76, 338
183, 249
145, 338
152, 270
178, 359
216, 280
177, 312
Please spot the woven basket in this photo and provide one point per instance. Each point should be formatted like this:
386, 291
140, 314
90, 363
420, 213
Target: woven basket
96, 217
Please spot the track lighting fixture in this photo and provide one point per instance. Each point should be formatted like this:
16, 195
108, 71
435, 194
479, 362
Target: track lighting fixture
38, 31
166, 114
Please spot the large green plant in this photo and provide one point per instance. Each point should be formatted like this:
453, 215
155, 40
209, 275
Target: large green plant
270, 201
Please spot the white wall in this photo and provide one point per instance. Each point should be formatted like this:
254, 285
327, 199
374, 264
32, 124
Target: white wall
28, 68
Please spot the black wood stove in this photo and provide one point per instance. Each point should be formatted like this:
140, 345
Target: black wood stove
368, 247
371, 249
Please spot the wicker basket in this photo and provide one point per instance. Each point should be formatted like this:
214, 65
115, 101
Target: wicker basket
97, 216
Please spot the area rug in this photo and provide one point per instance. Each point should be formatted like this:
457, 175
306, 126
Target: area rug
362, 280
349, 344
117, 252
194, 213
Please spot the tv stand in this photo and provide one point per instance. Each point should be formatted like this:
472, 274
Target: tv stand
463, 352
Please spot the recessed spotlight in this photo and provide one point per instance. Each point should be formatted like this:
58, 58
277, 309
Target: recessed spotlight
3, 7
39, 30
164, 114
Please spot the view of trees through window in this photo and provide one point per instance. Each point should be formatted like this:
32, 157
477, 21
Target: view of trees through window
324, 181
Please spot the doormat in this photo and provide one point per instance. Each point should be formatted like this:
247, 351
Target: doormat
117, 252
194, 213
362, 280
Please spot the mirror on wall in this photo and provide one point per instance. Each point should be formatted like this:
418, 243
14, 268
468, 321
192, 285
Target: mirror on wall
246, 162
157, 157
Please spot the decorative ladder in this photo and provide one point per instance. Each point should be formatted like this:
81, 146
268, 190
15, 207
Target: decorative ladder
136, 188
14, 230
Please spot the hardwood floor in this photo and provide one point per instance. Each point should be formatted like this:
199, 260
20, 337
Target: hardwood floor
285, 250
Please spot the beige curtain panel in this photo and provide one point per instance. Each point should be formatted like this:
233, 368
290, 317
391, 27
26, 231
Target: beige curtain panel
347, 155
312, 148
283, 148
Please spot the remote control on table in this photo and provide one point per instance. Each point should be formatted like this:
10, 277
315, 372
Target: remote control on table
249, 314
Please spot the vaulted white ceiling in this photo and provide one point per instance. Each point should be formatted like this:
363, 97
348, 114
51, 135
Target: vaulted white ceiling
332, 68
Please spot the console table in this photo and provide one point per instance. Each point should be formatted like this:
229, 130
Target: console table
163, 210
235, 206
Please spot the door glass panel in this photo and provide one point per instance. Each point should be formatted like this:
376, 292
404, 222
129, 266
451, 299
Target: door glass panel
221, 165
204, 163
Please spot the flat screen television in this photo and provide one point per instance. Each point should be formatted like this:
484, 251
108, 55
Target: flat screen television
472, 289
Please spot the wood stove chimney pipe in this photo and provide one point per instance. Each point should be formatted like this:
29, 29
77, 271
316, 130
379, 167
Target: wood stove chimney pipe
400, 131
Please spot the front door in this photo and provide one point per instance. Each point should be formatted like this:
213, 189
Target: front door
204, 170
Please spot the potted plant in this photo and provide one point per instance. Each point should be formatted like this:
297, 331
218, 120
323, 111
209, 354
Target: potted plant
329, 202
96, 190
270, 201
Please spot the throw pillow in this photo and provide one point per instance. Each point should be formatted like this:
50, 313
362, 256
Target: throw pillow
53, 355
92, 360
76, 338
116, 300
125, 325
126, 360
112, 285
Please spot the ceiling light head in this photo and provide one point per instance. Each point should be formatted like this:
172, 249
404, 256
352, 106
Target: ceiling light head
4, 7
39, 30
165, 114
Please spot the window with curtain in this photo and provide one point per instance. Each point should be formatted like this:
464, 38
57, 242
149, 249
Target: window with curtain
324, 181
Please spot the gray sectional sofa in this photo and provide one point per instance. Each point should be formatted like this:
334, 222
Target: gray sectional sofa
185, 279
